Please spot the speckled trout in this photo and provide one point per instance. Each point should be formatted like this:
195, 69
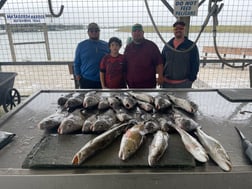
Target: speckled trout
215, 150
192, 145
98, 143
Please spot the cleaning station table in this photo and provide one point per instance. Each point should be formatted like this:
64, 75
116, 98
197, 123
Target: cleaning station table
219, 112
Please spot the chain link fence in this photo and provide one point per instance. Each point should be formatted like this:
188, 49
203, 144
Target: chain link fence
39, 46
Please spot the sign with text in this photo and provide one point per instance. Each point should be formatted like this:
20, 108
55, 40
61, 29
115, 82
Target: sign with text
22, 18
184, 8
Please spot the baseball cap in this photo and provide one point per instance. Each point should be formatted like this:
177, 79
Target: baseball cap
93, 26
137, 27
179, 23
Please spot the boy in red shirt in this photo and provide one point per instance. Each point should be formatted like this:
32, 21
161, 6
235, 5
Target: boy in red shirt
112, 66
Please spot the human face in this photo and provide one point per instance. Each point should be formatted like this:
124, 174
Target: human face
94, 33
137, 36
179, 31
114, 48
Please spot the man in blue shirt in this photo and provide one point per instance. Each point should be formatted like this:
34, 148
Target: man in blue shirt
87, 59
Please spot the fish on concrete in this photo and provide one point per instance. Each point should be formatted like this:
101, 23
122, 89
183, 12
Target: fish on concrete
98, 143
114, 102
184, 122
192, 145
52, 121
184, 104
5, 138
162, 102
91, 100
123, 114
157, 147
165, 122
127, 100
72, 123
142, 96
62, 99
131, 141
146, 106
104, 121
215, 150
86, 113
151, 126
87, 125
74, 102
103, 103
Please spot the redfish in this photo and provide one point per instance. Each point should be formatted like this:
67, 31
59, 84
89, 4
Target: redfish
98, 143
158, 146
131, 141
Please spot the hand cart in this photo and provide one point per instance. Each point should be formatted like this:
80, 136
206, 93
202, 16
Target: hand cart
9, 96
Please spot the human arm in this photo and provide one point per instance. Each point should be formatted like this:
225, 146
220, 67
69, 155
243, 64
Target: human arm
159, 67
159, 71
103, 71
77, 63
194, 62
102, 79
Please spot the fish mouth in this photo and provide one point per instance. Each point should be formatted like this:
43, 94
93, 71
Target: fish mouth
75, 160
127, 106
59, 131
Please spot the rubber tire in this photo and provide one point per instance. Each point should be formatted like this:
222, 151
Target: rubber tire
12, 99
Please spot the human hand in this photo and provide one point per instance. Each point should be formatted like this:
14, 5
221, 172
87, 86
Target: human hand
77, 77
160, 80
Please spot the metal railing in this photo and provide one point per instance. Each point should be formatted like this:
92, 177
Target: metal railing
35, 76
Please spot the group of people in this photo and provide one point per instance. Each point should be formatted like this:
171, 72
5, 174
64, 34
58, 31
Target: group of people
98, 64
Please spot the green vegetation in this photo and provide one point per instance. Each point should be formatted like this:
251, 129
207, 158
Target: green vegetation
194, 29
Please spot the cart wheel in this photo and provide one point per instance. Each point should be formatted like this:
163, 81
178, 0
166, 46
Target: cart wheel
12, 99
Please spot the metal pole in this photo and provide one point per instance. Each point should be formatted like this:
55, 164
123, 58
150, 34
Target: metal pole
187, 22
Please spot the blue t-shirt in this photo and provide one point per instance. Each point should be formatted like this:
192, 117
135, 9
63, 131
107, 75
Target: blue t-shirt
87, 58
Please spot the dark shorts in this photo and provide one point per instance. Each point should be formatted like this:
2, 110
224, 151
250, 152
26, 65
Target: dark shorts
89, 84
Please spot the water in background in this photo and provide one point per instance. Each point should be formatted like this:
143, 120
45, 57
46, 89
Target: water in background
63, 43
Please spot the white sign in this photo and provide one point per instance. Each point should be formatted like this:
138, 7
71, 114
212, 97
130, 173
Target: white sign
19, 18
184, 8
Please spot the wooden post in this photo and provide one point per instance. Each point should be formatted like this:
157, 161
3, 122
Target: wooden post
250, 76
48, 53
10, 39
